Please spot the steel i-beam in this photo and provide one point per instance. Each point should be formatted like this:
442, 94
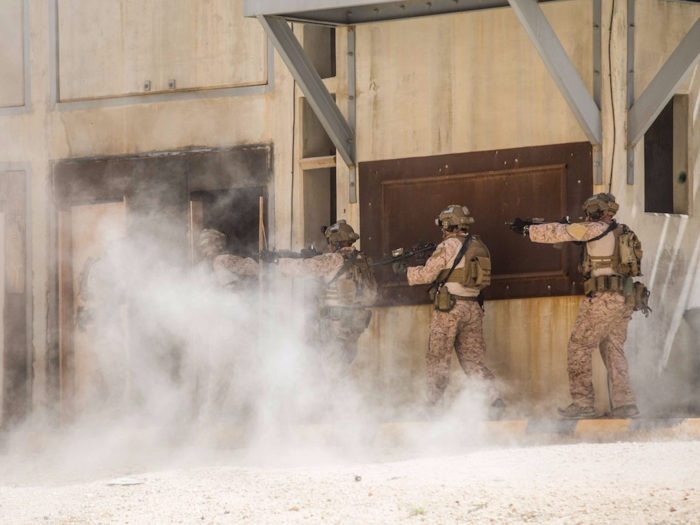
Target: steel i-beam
315, 91
664, 86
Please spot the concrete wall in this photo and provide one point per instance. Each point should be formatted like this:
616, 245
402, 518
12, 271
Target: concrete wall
474, 82
471, 82
11, 53
49, 133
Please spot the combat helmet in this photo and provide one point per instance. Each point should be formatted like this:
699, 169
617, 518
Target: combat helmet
454, 215
340, 233
600, 205
211, 242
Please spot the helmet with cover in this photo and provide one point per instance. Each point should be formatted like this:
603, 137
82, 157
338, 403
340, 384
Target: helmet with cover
455, 216
211, 242
600, 205
340, 234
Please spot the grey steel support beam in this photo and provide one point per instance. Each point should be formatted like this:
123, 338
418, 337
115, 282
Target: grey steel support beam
315, 91
560, 67
352, 106
664, 86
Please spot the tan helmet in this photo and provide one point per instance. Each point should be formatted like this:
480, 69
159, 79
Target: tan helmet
600, 205
341, 232
454, 215
211, 242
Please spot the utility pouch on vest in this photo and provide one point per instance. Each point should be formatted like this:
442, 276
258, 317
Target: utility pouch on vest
628, 287
481, 270
444, 300
604, 283
641, 299
347, 291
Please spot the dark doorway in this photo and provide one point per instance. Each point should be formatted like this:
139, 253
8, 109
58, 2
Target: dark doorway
234, 212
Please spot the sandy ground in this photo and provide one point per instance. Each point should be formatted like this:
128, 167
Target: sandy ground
635, 483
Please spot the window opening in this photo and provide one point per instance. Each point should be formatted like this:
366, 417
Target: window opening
666, 160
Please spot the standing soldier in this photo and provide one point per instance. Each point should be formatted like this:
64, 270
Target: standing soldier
222, 269
612, 256
347, 289
460, 268
225, 351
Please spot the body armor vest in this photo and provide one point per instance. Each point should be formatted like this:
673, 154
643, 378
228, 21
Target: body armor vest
354, 284
474, 270
625, 259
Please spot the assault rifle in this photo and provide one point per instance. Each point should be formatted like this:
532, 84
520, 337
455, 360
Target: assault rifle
564, 220
305, 253
271, 257
423, 250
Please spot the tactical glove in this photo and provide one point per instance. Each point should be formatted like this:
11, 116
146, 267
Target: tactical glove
269, 257
400, 267
520, 226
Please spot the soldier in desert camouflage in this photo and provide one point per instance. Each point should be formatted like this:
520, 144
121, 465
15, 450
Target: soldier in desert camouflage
347, 289
222, 349
460, 267
612, 257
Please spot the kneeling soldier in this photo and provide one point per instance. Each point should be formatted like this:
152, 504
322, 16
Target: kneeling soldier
612, 257
460, 268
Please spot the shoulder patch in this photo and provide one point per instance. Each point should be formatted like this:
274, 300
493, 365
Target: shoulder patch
577, 230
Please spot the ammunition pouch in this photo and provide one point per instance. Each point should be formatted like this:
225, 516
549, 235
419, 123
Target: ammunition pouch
476, 273
444, 301
608, 283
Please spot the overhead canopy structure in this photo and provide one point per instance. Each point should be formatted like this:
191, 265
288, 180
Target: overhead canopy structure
353, 12
274, 15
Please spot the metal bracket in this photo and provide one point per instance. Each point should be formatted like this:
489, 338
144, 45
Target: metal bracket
665, 84
352, 106
339, 130
630, 84
560, 67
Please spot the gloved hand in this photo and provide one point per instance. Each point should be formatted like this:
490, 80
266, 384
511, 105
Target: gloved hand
520, 226
400, 267
269, 257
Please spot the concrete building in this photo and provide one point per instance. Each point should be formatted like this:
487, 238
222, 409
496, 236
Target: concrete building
136, 114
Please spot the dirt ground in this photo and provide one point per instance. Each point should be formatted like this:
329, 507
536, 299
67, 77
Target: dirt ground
631, 483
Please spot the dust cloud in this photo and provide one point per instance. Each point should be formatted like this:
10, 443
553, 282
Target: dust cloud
172, 370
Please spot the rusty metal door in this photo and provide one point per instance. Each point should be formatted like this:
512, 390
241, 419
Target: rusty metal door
400, 200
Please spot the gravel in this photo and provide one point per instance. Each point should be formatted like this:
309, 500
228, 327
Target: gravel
631, 483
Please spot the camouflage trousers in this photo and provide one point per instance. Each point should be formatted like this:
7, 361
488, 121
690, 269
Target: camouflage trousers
601, 323
461, 329
338, 348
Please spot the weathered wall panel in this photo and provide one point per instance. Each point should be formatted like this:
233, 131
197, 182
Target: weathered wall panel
11, 53
400, 200
109, 48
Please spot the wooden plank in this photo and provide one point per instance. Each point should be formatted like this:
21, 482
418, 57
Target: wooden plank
65, 293
16, 366
315, 163
93, 228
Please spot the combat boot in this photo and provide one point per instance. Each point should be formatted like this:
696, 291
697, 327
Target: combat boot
496, 409
623, 412
574, 411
